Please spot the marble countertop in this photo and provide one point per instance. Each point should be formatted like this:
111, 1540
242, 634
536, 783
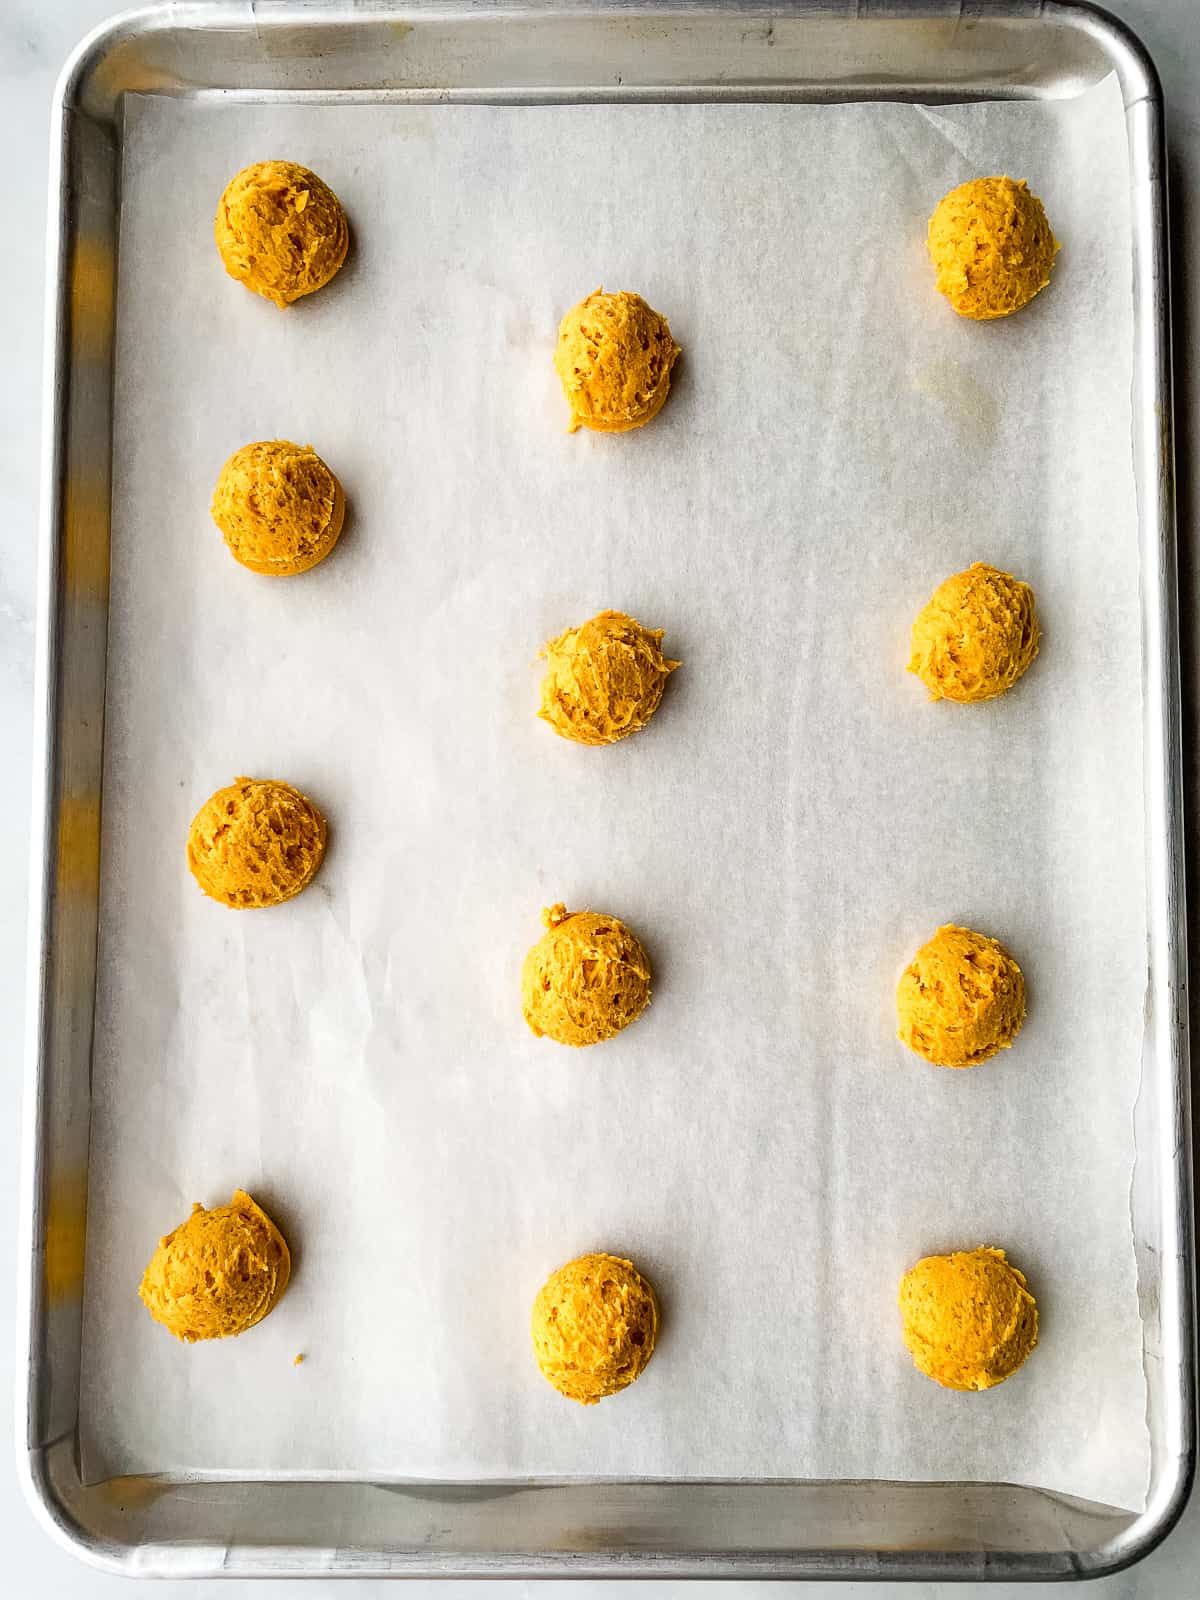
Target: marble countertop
35, 38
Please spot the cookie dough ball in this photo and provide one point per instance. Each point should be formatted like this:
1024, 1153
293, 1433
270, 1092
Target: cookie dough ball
961, 999
603, 680
991, 246
256, 843
614, 358
969, 1320
594, 1325
279, 506
585, 979
281, 231
218, 1273
975, 636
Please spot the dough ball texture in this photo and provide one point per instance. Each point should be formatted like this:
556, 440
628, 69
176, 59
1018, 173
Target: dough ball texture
255, 843
594, 1325
991, 247
280, 230
961, 999
585, 979
218, 1273
614, 358
279, 506
969, 1319
604, 679
975, 636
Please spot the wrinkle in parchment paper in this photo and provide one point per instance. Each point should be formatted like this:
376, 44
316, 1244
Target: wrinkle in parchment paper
794, 823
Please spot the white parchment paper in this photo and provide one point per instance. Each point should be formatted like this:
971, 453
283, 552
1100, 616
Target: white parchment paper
797, 819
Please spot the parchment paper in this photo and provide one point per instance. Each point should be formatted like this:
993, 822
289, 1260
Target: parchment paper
795, 822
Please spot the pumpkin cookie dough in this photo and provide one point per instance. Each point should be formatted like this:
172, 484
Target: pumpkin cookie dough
585, 979
604, 679
614, 358
255, 843
218, 1273
594, 1325
991, 247
279, 506
961, 999
969, 1319
975, 636
281, 231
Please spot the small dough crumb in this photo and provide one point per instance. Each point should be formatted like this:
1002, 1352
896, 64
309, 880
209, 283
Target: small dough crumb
585, 979
614, 358
279, 506
256, 843
991, 246
969, 1318
975, 636
961, 999
280, 230
604, 680
594, 1326
218, 1273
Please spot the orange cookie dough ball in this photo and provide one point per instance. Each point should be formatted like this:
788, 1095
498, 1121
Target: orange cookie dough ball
961, 999
279, 506
585, 979
255, 843
594, 1325
281, 231
975, 636
991, 246
614, 358
604, 680
969, 1319
218, 1273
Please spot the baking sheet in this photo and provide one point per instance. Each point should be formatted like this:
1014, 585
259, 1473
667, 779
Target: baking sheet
794, 823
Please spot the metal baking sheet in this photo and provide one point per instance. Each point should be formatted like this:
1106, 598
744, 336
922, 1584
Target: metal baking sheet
696, 48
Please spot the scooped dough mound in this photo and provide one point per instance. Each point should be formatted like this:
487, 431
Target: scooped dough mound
585, 979
961, 999
614, 358
594, 1325
991, 246
604, 679
969, 1320
218, 1273
280, 230
256, 843
279, 507
975, 636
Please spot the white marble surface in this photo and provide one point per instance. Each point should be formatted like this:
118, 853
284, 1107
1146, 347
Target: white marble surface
35, 36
